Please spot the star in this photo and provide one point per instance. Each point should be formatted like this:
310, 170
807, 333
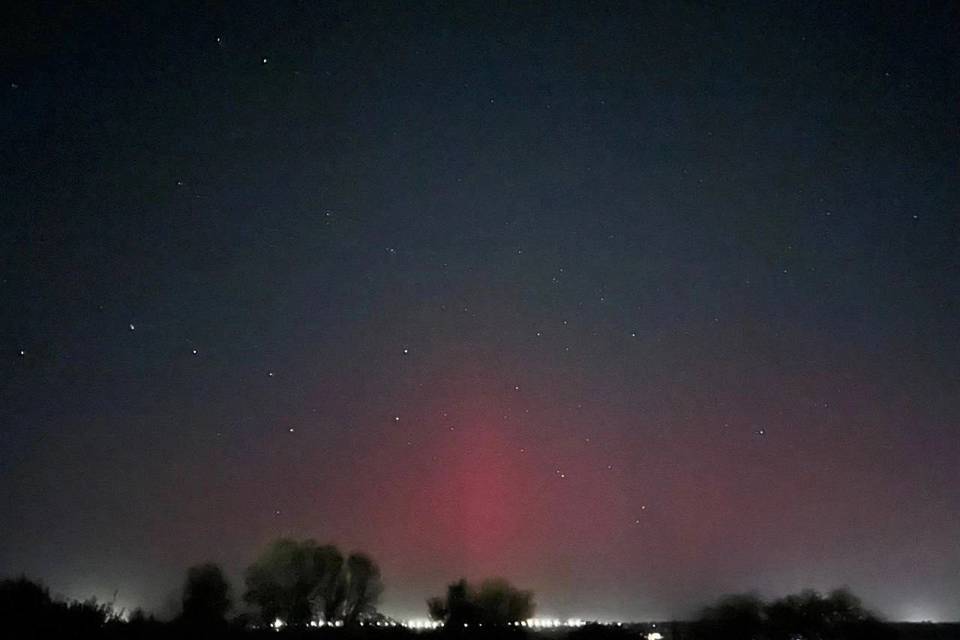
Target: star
269, 374
264, 61
406, 351
22, 352
194, 352
291, 430
132, 328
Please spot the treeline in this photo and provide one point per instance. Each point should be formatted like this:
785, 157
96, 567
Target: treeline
292, 584
807, 615
302, 587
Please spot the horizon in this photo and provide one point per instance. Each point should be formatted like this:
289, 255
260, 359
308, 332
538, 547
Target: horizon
168, 610
915, 615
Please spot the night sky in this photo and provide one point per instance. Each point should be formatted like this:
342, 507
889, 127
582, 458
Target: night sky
634, 304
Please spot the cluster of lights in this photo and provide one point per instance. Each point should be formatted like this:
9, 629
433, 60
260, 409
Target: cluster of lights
321, 623
422, 623
547, 623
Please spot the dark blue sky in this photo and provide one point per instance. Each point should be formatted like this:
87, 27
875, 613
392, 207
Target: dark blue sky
633, 303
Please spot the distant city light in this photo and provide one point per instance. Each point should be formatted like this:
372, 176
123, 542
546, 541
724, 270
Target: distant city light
422, 623
549, 623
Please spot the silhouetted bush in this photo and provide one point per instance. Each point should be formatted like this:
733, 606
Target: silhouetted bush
22, 599
28, 610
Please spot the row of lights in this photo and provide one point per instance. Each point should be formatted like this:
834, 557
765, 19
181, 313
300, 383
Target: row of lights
549, 623
538, 623
280, 624
423, 623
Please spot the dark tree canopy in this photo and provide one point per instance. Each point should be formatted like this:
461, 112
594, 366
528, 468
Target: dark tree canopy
299, 581
495, 602
206, 596
734, 616
807, 615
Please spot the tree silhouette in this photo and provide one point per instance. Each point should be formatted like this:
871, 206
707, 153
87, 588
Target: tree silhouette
495, 603
297, 582
206, 596
363, 587
328, 595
